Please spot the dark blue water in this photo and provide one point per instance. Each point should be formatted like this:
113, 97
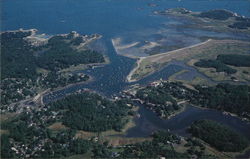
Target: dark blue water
107, 17
130, 20
148, 122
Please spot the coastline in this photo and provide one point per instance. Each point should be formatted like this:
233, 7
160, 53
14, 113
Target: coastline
157, 56
32, 30
223, 112
177, 112
117, 51
138, 62
209, 24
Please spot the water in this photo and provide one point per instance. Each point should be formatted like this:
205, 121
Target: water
148, 122
130, 20
106, 17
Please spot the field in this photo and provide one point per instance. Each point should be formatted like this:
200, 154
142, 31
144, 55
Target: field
114, 138
206, 50
189, 83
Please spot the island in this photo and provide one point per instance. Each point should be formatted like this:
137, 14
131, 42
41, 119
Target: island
220, 20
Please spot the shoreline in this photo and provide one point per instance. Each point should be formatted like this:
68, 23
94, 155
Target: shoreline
91, 79
117, 52
183, 109
226, 113
201, 22
129, 76
32, 30
158, 55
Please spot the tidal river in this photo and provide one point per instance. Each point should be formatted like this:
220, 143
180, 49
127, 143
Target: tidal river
110, 80
131, 21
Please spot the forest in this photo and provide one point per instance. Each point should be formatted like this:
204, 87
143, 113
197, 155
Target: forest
58, 144
224, 97
159, 100
55, 79
60, 54
72, 146
6, 147
216, 14
17, 60
22, 62
218, 136
162, 145
31, 135
218, 65
222, 61
241, 23
235, 60
91, 112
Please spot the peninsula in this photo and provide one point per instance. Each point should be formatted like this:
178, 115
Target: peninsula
33, 63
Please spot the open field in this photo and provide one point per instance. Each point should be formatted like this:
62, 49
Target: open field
189, 83
120, 141
86, 155
88, 135
115, 138
3, 118
57, 126
206, 50
105, 134
181, 148
6, 116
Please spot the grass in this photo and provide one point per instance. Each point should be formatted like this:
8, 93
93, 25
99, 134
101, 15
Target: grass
120, 141
106, 134
6, 116
173, 77
209, 150
83, 156
42, 71
4, 132
57, 126
206, 50
180, 147
222, 76
188, 83
110, 135
143, 71
74, 68
234, 154
222, 155
115, 138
